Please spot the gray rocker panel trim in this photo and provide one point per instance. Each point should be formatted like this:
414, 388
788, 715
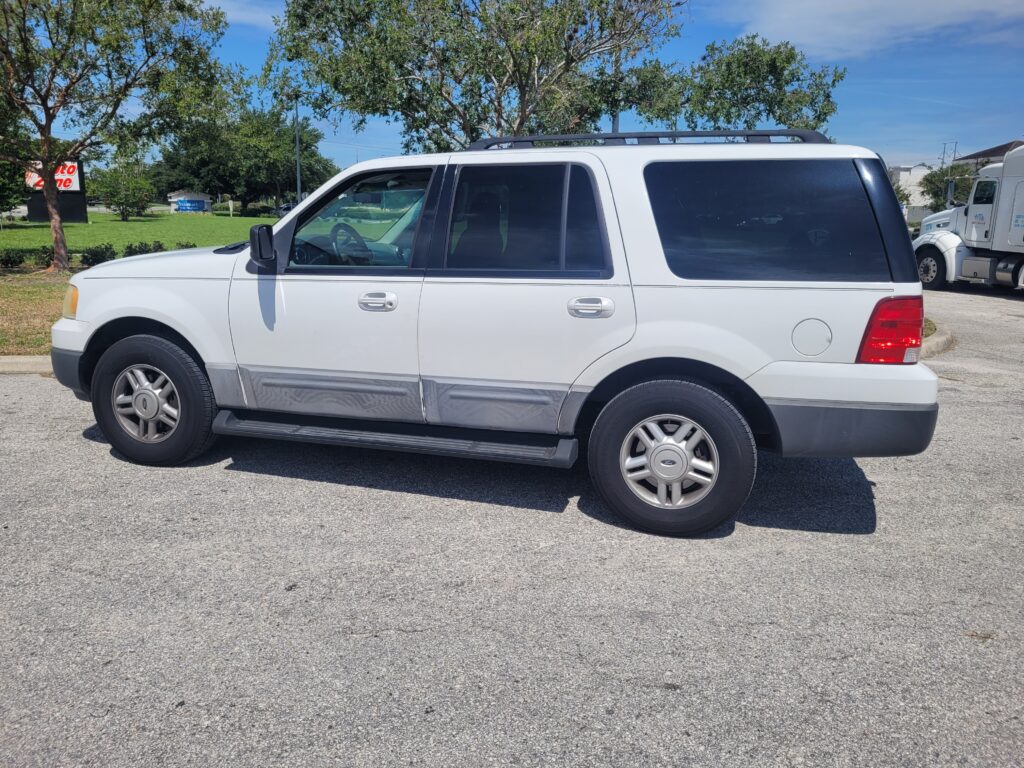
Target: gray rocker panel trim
810, 428
326, 393
501, 405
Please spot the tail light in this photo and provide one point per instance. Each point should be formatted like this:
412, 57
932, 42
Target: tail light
894, 332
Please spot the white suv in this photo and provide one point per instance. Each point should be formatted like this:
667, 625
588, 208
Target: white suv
671, 304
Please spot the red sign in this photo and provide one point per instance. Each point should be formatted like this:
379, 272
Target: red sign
66, 176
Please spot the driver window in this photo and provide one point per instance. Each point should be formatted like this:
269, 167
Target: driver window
370, 223
984, 193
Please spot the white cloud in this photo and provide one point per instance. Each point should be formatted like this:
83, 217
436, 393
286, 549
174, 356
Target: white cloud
838, 29
250, 13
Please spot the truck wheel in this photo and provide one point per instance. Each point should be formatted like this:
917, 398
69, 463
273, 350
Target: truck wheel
153, 401
931, 268
672, 457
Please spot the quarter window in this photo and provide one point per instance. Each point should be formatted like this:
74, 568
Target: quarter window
369, 223
984, 193
529, 218
766, 220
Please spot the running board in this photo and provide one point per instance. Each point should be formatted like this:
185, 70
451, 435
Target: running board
557, 452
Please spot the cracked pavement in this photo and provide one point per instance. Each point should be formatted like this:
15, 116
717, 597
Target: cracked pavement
278, 604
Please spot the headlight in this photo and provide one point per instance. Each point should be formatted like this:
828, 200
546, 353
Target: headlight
70, 303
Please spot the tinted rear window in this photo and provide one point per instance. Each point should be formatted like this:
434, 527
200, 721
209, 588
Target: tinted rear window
766, 220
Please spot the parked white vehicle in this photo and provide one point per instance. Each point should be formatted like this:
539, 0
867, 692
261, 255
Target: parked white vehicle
982, 241
670, 304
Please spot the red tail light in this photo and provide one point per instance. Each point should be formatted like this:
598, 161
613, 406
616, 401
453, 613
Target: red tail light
894, 332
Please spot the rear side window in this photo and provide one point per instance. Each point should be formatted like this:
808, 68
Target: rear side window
539, 218
766, 220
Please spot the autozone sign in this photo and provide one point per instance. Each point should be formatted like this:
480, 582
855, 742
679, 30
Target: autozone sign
66, 176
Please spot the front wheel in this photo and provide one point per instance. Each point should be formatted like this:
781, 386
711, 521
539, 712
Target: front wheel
931, 268
672, 457
153, 401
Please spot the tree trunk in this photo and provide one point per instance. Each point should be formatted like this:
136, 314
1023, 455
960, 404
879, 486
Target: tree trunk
60, 243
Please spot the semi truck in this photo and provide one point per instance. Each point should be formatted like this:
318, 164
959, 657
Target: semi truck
982, 240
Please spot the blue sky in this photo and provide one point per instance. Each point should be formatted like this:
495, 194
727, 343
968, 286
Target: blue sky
920, 72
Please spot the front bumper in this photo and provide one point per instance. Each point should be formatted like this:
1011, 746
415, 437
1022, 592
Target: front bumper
66, 370
808, 428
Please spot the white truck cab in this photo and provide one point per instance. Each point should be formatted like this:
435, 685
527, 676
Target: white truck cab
673, 305
982, 241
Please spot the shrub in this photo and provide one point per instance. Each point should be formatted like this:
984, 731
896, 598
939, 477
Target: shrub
44, 256
11, 259
97, 254
181, 245
135, 249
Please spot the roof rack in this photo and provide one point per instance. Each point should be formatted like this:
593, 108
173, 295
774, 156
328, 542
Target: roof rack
645, 138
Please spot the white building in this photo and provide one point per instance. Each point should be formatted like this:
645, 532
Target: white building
909, 178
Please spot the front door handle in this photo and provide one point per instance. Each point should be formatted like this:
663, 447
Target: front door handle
378, 301
591, 306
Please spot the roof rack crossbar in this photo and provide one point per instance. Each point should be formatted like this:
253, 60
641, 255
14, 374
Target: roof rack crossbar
647, 138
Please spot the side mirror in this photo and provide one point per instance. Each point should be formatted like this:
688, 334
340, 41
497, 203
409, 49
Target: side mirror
261, 245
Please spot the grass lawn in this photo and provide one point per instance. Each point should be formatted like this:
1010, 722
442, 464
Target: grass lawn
29, 304
929, 327
168, 228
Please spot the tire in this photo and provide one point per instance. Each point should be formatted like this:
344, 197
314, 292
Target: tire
187, 393
931, 269
689, 508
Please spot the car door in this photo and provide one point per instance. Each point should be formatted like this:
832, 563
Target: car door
979, 213
527, 286
332, 330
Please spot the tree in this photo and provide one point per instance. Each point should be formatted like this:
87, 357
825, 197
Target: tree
12, 175
248, 155
452, 71
901, 194
124, 187
455, 70
749, 82
72, 66
933, 184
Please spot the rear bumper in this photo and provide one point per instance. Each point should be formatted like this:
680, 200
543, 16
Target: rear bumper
810, 428
65, 364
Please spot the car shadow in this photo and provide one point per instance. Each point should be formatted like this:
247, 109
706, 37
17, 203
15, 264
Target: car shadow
815, 495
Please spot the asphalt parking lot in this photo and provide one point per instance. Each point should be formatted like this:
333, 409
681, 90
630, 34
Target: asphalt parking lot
280, 604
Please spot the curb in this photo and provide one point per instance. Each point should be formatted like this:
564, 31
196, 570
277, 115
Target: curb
25, 364
937, 343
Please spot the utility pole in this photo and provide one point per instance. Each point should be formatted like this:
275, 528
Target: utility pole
298, 154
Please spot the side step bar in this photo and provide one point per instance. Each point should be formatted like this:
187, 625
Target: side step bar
558, 452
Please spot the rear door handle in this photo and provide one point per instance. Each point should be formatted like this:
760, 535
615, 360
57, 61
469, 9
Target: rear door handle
378, 301
591, 306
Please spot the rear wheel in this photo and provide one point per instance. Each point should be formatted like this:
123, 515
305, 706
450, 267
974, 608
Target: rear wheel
931, 268
672, 457
153, 401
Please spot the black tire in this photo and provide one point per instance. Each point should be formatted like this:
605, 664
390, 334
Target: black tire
737, 455
193, 434
932, 279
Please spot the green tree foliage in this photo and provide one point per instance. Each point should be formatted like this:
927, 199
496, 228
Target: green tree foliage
750, 82
248, 156
125, 187
454, 70
933, 184
901, 194
13, 191
73, 65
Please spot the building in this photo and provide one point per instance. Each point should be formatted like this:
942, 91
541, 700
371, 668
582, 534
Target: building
186, 201
984, 157
909, 178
